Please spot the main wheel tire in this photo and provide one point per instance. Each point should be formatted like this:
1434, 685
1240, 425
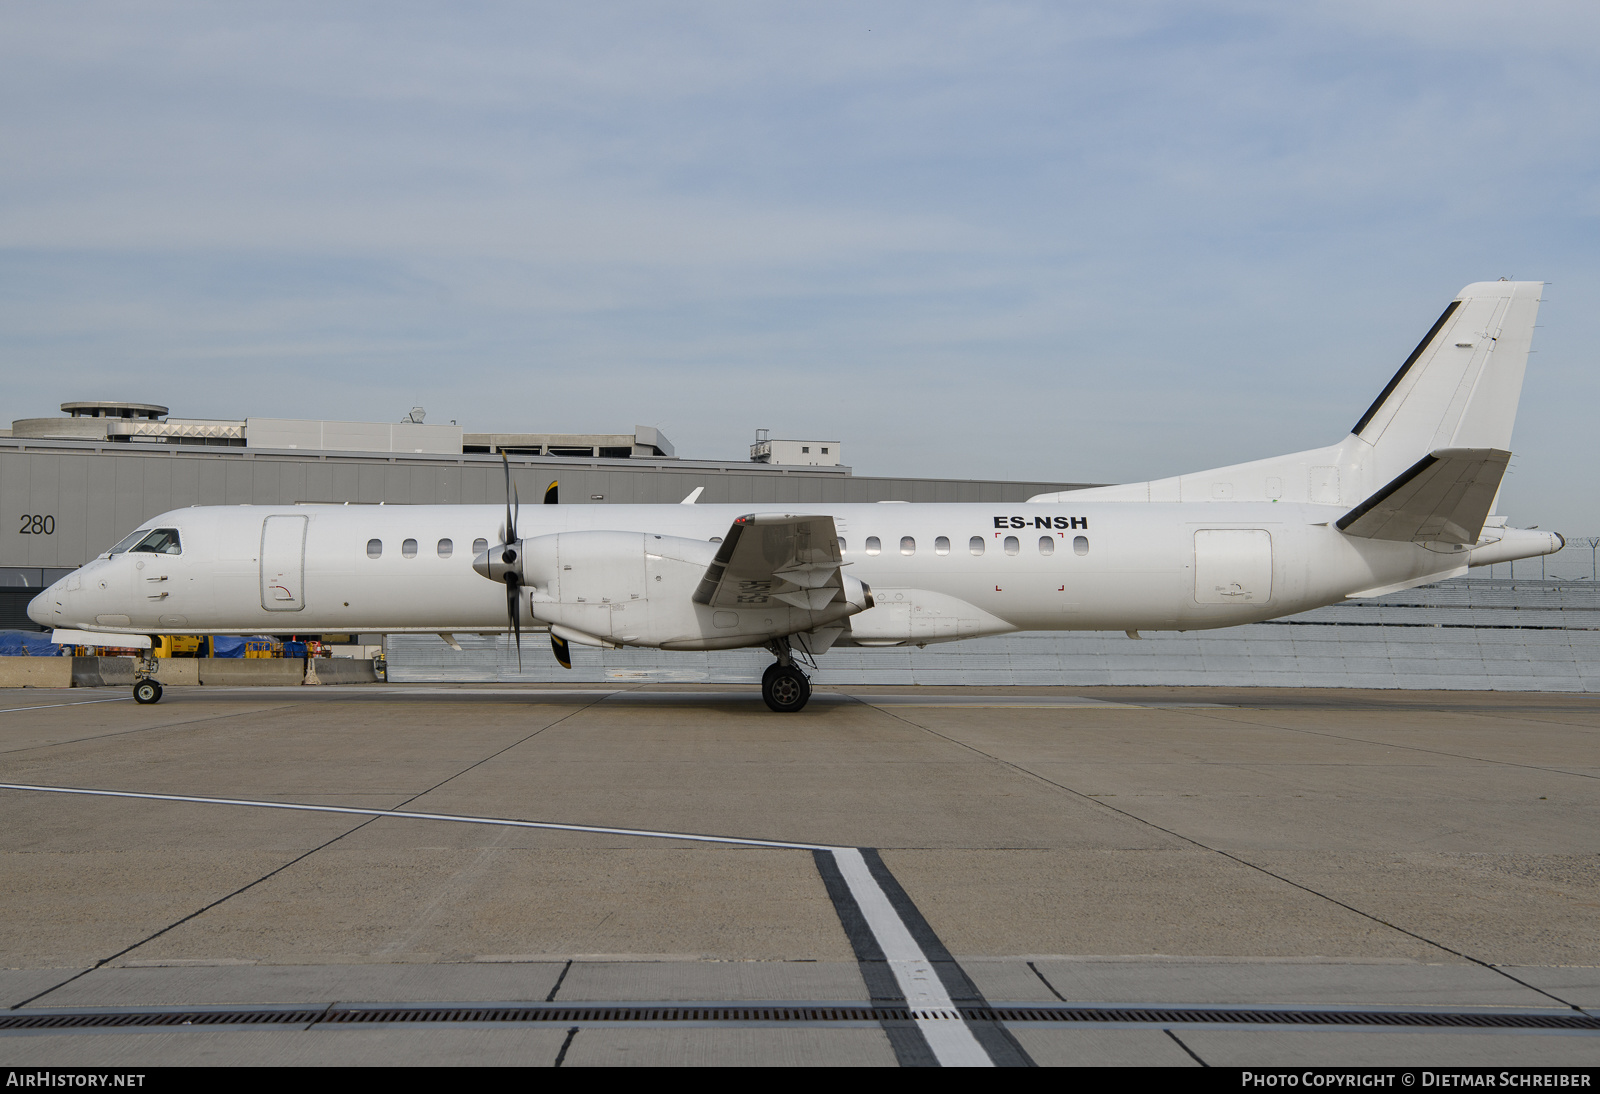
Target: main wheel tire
785, 689
147, 691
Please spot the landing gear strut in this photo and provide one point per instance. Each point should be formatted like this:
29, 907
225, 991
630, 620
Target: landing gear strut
783, 686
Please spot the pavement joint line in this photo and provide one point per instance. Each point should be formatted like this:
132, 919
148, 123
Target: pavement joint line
1410, 748
1193, 1055
561, 1057
1046, 982
141, 729
562, 979
1241, 861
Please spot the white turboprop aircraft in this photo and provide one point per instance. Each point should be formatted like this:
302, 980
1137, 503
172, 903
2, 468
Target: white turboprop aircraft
1404, 499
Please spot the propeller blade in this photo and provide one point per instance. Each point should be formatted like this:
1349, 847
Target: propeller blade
563, 652
552, 493
511, 520
514, 611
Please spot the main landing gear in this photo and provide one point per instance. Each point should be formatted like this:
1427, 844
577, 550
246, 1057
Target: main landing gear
783, 686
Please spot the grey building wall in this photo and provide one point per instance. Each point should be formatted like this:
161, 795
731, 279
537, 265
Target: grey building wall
95, 493
1471, 633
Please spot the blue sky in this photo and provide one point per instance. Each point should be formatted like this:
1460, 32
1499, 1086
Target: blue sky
1053, 241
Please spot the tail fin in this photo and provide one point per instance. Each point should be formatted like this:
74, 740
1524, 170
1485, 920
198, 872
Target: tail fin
1460, 386
1427, 456
1440, 433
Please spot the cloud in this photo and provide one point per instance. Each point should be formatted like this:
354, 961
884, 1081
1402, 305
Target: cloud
1007, 240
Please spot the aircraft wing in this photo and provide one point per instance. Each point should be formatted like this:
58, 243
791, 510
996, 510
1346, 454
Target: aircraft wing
1444, 496
774, 556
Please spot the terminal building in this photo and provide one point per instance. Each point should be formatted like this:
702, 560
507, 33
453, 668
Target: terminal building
72, 486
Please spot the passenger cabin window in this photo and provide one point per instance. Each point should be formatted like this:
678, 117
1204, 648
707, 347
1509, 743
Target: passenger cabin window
161, 541
1080, 544
873, 545
128, 541
941, 546
479, 546
446, 548
908, 546
374, 548
1047, 545
1012, 545
409, 548
975, 545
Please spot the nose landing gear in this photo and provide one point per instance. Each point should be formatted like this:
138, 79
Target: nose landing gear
784, 687
145, 688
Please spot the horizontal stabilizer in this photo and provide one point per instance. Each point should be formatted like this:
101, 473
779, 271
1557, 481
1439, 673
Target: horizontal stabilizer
1443, 497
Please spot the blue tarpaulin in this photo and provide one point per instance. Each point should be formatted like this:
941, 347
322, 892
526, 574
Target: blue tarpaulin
27, 644
225, 646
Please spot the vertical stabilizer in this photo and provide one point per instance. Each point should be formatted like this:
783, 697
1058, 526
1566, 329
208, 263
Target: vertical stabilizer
1460, 386
1454, 399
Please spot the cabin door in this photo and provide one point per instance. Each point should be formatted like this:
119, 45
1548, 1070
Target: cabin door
1232, 566
283, 563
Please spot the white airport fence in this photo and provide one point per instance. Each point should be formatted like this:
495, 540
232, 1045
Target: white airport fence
1471, 633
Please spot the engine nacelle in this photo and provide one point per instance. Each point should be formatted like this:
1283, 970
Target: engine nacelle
637, 589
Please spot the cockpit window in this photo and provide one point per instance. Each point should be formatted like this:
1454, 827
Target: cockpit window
128, 541
162, 541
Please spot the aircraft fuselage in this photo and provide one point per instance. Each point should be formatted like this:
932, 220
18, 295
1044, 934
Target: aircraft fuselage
409, 568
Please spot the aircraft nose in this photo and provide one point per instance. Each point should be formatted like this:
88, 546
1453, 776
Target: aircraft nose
42, 609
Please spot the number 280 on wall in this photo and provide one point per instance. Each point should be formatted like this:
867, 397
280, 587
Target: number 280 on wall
37, 524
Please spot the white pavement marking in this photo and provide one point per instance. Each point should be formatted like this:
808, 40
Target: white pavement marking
79, 703
936, 1014
504, 822
951, 1041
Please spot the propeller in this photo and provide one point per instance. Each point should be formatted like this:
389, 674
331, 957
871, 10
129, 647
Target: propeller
512, 574
508, 555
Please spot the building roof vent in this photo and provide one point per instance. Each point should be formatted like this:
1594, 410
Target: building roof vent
111, 408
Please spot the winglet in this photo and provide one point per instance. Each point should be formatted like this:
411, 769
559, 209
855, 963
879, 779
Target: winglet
552, 493
694, 496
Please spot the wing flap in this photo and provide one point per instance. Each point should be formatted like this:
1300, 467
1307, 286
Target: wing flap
1443, 497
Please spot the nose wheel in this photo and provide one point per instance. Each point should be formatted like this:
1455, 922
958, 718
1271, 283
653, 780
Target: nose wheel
785, 688
147, 691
